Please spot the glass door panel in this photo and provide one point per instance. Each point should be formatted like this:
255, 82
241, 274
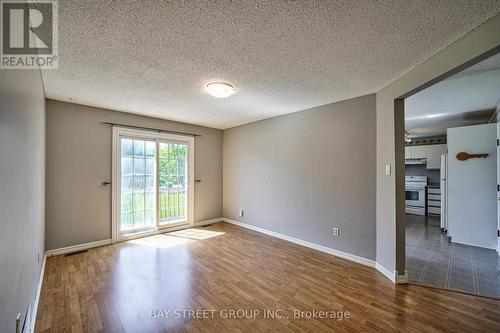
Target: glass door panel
138, 179
152, 183
172, 182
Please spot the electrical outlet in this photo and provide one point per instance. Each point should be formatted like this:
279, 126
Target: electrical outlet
336, 232
242, 213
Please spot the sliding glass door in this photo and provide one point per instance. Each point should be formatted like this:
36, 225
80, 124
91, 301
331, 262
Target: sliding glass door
172, 182
138, 178
152, 185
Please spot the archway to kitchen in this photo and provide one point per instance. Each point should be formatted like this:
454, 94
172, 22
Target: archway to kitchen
446, 204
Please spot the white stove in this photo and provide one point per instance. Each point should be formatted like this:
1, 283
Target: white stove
415, 194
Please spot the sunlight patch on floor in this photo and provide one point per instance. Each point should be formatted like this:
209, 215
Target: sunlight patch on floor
163, 241
176, 238
195, 233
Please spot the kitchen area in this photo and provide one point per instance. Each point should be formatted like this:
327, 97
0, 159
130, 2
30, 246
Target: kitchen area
452, 168
451, 215
423, 170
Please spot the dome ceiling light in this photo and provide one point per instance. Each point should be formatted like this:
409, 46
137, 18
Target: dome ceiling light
220, 89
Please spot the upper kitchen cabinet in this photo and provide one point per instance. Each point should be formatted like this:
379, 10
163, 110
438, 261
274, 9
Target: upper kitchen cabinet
419, 152
431, 153
408, 152
434, 153
415, 152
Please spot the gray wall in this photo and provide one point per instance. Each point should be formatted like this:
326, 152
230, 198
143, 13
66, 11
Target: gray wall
22, 191
79, 160
304, 173
390, 137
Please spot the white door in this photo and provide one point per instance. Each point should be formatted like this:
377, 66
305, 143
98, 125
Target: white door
152, 182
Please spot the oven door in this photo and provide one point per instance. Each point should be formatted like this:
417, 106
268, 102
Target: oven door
415, 197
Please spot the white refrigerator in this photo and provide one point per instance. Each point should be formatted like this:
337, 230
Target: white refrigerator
444, 192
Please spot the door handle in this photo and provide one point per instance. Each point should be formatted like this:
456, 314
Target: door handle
197, 181
106, 183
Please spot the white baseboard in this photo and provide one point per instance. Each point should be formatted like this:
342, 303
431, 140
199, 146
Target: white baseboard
202, 223
75, 248
34, 311
393, 276
341, 254
475, 245
387, 273
85, 246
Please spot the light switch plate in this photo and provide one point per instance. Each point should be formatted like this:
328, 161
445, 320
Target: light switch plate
388, 169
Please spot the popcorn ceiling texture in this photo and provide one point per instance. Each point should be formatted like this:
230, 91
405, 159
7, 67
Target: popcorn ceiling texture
154, 57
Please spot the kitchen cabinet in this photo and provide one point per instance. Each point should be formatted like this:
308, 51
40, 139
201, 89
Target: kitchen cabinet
408, 152
419, 152
433, 201
432, 153
415, 152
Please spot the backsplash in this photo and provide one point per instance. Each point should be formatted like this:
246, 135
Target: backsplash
435, 140
421, 170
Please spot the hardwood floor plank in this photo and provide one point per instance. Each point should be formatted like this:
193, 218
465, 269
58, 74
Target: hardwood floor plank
115, 288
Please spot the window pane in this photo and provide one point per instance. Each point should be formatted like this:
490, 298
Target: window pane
172, 178
139, 166
150, 201
138, 201
149, 217
139, 183
150, 148
127, 147
127, 183
138, 148
127, 166
127, 205
138, 216
126, 221
150, 183
138, 191
150, 166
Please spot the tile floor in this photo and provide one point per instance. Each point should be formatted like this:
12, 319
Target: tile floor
432, 260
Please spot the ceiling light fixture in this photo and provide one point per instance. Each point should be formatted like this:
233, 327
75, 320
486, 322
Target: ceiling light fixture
220, 89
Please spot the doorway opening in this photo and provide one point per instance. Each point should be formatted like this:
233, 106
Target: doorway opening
451, 196
152, 182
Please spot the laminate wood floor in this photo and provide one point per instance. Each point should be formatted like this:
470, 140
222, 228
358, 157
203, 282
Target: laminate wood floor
224, 270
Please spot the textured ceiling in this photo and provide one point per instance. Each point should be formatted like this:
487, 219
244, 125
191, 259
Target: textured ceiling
154, 57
